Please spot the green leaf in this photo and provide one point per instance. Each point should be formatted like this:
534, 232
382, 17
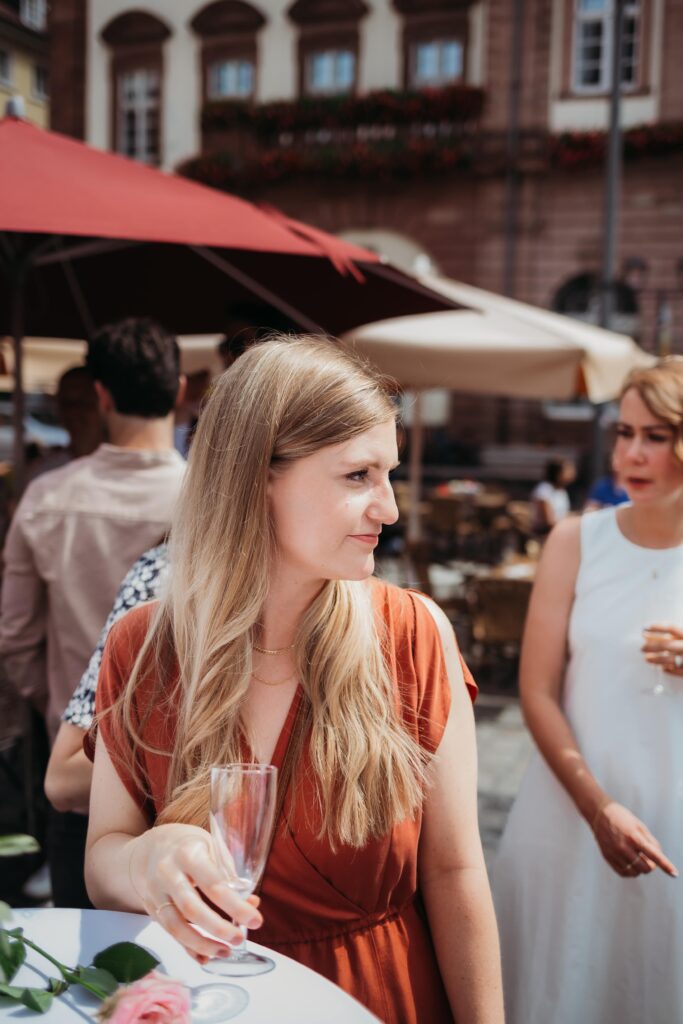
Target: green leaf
12, 956
95, 979
14, 845
11, 991
126, 961
5, 911
37, 999
34, 998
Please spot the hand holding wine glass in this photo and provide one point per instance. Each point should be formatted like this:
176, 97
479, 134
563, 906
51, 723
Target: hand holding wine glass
663, 648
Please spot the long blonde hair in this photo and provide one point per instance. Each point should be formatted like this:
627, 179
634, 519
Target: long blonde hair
281, 401
661, 389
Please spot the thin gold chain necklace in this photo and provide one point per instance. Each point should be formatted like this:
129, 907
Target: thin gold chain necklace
276, 650
276, 682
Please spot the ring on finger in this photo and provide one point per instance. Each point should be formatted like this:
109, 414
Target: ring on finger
162, 906
630, 867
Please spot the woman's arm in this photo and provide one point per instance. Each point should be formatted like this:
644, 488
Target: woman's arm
452, 872
129, 866
620, 835
69, 772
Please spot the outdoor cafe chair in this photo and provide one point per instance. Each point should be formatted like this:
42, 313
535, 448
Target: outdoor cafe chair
498, 610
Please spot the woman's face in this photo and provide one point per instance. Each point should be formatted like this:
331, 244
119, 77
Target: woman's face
329, 508
643, 454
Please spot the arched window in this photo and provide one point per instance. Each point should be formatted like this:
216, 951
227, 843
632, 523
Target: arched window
228, 30
329, 45
435, 34
136, 40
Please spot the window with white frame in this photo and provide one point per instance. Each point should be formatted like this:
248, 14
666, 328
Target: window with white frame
593, 44
138, 115
34, 14
230, 79
39, 87
436, 62
5, 67
330, 71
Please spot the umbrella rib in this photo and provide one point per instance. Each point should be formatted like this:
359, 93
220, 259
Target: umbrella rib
258, 289
93, 248
79, 298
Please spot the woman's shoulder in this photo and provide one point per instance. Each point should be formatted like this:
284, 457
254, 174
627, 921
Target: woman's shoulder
396, 606
406, 611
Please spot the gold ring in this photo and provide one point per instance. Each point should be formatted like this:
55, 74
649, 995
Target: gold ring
629, 867
168, 903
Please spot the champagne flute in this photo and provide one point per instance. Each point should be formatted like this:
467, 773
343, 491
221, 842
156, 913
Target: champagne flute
243, 799
662, 684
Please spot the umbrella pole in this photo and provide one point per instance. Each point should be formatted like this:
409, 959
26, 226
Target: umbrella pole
416, 446
18, 397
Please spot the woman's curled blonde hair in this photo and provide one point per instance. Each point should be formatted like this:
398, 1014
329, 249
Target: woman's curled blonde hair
661, 389
281, 401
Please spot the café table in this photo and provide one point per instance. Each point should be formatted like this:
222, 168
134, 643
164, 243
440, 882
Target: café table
290, 994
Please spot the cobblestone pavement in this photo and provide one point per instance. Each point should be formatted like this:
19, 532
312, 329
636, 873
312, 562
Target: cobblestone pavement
504, 747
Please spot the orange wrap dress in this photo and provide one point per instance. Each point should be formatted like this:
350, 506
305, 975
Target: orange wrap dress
353, 915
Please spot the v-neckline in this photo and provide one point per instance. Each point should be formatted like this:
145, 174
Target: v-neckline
282, 741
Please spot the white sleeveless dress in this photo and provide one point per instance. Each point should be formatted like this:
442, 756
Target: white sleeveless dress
581, 945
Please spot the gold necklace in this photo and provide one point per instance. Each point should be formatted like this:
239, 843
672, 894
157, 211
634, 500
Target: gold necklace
271, 682
277, 650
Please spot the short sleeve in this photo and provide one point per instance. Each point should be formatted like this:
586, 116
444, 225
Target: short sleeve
123, 643
412, 645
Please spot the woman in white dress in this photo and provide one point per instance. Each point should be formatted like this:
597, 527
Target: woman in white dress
589, 908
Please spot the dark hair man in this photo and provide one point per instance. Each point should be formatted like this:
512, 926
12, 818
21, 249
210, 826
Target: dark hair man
77, 531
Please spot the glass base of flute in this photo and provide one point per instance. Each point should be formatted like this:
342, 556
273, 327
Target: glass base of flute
242, 962
211, 1004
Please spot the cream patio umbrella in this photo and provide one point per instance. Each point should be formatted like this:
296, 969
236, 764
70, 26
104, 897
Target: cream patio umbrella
494, 346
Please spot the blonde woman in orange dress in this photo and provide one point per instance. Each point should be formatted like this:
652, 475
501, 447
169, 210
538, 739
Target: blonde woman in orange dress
273, 632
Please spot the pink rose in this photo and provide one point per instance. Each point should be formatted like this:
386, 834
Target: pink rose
154, 999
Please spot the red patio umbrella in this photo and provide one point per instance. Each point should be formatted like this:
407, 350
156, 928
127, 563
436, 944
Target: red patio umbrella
88, 236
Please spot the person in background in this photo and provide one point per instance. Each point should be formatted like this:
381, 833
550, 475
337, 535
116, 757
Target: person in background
550, 497
78, 412
588, 903
246, 323
606, 492
274, 643
198, 384
76, 532
69, 771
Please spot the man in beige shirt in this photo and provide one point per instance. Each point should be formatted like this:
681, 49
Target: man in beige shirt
78, 530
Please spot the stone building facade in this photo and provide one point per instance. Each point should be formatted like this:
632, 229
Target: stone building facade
185, 83
24, 57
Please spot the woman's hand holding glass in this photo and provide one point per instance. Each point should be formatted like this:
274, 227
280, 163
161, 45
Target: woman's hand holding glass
173, 865
243, 799
663, 647
627, 844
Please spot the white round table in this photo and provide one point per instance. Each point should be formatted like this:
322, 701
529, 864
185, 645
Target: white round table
290, 994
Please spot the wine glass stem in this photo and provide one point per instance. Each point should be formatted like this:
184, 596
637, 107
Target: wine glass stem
242, 948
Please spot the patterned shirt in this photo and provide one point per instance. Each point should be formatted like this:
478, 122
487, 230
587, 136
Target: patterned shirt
143, 583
